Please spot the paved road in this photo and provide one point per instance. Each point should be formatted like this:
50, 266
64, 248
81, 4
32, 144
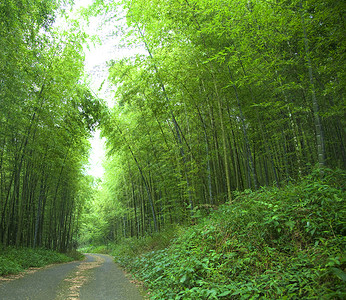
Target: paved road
95, 278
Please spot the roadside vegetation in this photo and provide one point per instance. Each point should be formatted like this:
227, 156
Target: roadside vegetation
274, 243
211, 132
16, 260
223, 96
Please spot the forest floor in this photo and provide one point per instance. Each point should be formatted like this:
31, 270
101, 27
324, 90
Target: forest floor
96, 277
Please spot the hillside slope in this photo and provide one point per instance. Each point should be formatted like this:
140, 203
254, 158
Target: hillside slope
284, 243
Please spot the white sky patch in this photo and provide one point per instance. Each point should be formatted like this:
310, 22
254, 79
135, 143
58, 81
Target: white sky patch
97, 156
96, 57
96, 73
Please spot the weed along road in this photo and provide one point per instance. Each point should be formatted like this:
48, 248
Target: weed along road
95, 278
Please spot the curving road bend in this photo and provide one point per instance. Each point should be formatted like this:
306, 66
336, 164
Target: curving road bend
95, 278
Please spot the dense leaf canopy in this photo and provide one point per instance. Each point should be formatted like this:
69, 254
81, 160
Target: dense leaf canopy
46, 115
230, 95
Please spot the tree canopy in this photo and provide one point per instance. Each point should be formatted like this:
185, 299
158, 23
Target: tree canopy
230, 95
225, 96
46, 116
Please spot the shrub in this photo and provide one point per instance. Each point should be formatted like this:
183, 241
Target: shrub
273, 243
15, 260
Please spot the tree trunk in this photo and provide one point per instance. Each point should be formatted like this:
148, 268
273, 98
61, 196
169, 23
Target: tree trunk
318, 123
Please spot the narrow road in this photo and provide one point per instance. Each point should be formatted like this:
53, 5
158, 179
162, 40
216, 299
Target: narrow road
95, 278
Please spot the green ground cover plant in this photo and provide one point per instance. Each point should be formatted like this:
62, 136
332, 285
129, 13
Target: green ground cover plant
15, 260
133, 246
286, 243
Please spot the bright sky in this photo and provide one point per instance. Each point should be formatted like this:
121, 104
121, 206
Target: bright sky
97, 155
95, 64
96, 67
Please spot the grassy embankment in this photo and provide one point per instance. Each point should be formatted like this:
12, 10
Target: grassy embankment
286, 243
16, 260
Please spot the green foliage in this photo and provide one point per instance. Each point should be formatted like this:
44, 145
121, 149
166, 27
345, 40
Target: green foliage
95, 249
275, 243
229, 95
7, 266
15, 260
46, 116
133, 247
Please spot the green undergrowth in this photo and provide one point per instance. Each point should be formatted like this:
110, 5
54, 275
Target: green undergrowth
95, 249
286, 243
15, 260
133, 246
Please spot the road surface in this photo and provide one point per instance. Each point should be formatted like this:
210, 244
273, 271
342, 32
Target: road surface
95, 278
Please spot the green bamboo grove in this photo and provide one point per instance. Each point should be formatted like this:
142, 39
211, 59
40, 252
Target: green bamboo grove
226, 96
229, 95
45, 122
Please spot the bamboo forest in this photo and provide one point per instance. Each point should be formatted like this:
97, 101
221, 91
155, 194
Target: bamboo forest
224, 138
